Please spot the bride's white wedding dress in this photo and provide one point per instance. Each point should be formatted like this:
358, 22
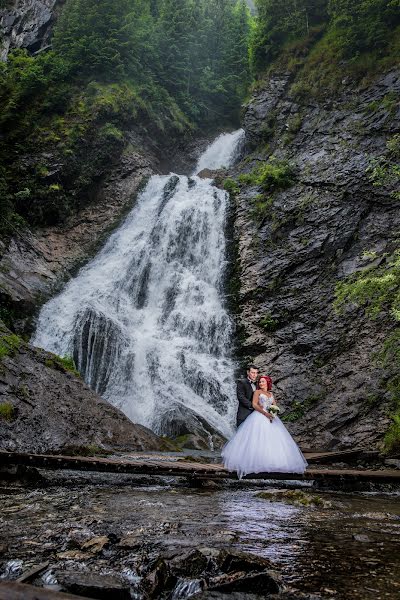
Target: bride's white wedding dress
260, 446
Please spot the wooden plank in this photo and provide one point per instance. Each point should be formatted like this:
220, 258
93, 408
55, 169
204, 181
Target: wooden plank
10, 590
340, 456
183, 469
33, 572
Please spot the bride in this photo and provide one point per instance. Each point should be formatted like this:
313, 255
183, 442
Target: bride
262, 444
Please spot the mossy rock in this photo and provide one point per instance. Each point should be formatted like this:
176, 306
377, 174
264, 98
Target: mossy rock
7, 411
9, 345
62, 363
295, 497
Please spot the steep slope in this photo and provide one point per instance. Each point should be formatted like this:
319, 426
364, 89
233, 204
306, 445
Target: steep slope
310, 220
44, 407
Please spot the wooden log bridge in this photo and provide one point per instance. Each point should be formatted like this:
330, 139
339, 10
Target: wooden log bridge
167, 466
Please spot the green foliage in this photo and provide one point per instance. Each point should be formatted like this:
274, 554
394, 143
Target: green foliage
231, 187
6, 411
63, 363
9, 344
326, 43
392, 437
268, 323
281, 22
262, 206
299, 409
271, 176
363, 26
165, 66
385, 170
377, 289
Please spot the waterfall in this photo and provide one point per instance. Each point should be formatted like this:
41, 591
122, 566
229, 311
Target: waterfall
146, 320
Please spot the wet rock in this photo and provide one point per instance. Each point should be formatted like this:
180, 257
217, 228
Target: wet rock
131, 541
206, 174
258, 583
249, 595
360, 537
296, 497
96, 544
393, 463
94, 585
208, 568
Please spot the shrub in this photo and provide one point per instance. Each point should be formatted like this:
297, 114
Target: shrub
271, 176
268, 322
231, 186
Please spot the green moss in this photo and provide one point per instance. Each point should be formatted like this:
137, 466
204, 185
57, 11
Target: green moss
296, 497
65, 364
376, 288
384, 171
268, 323
9, 344
392, 438
262, 206
299, 409
6, 411
89, 450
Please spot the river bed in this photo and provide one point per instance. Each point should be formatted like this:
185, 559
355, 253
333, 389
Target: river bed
346, 548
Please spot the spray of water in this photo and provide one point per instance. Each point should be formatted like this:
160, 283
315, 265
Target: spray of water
145, 320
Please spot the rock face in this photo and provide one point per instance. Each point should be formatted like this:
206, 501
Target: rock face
27, 24
331, 223
46, 408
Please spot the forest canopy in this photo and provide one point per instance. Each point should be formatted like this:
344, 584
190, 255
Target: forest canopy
355, 26
166, 66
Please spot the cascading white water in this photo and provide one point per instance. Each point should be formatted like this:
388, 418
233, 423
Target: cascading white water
145, 320
222, 152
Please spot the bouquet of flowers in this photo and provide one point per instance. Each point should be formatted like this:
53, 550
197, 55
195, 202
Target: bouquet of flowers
274, 410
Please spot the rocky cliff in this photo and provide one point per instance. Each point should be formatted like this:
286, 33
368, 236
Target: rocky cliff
294, 245
27, 24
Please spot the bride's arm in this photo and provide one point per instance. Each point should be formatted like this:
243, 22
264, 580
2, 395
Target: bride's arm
257, 407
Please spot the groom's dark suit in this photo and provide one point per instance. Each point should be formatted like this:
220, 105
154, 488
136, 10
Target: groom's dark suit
245, 393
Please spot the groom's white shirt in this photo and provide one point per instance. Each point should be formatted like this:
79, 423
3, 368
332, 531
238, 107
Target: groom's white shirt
253, 385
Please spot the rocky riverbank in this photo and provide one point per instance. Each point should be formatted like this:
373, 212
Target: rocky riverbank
155, 541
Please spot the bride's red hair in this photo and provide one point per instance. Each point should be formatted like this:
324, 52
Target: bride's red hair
268, 379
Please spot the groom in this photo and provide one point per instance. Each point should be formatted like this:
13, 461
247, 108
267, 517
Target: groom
245, 390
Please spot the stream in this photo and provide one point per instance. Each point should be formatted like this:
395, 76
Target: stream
346, 548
